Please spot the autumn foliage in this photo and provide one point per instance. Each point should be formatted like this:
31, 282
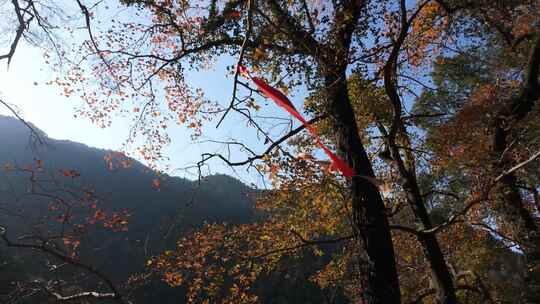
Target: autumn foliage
426, 187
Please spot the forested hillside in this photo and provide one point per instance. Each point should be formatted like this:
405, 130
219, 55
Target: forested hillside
157, 214
158, 211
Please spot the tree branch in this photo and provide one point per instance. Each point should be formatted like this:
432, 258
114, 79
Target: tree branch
23, 25
518, 166
208, 156
240, 58
67, 259
33, 132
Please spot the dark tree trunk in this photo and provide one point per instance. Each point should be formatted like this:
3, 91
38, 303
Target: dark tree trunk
525, 225
378, 272
527, 231
441, 277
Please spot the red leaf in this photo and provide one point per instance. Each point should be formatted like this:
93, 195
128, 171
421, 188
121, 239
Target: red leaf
156, 183
70, 173
233, 15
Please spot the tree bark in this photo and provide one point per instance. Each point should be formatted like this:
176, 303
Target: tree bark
378, 274
526, 230
441, 277
526, 226
440, 274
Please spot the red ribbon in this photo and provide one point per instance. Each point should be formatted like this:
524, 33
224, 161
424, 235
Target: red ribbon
281, 100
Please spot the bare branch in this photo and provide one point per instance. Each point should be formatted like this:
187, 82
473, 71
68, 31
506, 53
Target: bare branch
67, 259
454, 217
249, 160
33, 132
518, 166
240, 58
21, 28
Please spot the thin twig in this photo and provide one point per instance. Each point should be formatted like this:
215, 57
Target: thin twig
518, 166
240, 58
32, 130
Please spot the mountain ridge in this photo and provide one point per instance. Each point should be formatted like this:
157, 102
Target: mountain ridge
158, 215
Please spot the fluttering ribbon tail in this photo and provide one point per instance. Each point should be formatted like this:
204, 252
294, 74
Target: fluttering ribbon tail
281, 100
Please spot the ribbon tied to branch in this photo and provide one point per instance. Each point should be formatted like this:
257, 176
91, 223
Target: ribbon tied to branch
281, 100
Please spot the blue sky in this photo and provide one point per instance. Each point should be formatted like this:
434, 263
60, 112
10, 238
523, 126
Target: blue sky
23, 84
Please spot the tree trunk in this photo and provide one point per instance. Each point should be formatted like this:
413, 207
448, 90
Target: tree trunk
527, 230
378, 274
440, 274
441, 277
525, 225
